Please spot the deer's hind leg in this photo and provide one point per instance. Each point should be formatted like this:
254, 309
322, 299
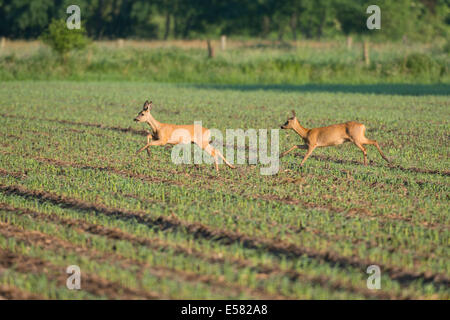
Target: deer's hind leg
360, 146
213, 153
375, 143
224, 160
216, 154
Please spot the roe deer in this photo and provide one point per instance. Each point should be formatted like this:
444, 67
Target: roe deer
164, 133
330, 136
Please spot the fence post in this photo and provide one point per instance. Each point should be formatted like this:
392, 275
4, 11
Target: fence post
223, 42
120, 43
210, 49
366, 53
89, 56
349, 43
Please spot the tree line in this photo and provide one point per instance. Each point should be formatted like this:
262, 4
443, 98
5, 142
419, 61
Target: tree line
270, 19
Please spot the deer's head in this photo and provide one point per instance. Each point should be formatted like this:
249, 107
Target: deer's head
290, 121
144, 115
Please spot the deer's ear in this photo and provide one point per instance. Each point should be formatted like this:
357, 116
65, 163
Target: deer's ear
146, 104
293, 113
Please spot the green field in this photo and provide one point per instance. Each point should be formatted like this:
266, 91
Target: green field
72, 192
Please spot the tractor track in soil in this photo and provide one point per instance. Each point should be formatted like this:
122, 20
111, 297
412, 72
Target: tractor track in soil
263, 270
12, 293
91, 283
199, 230
359, 212
47, 242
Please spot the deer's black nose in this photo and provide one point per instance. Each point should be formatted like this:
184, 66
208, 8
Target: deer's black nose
135, 119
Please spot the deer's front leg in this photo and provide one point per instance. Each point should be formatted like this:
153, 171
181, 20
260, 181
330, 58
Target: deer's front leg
308, 153
286, 152
149, 137
294, 147
141, 149
153, 143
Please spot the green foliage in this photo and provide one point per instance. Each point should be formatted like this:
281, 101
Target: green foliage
328, 63
62, 39
418, 63
275, 19
446, 47
25, 19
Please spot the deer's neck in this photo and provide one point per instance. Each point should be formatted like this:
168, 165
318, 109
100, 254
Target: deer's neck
153, 123
302, 131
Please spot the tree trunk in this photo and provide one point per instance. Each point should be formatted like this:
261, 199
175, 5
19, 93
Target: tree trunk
176, 28
265, 26
293, 24
187, 27
167, 30
280, 32
320, 30
306, 30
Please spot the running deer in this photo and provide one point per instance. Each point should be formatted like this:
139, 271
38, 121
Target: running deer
164, 133
330, 136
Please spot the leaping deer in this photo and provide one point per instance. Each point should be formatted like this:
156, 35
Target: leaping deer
164, 133
330, 136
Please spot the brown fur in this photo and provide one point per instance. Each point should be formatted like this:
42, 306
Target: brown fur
164, 133
333, 135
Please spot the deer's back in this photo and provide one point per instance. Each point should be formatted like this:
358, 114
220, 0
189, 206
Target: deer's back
335, 134
174, 133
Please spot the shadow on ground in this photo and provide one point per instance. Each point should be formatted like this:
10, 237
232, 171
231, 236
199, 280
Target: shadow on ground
388, 89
